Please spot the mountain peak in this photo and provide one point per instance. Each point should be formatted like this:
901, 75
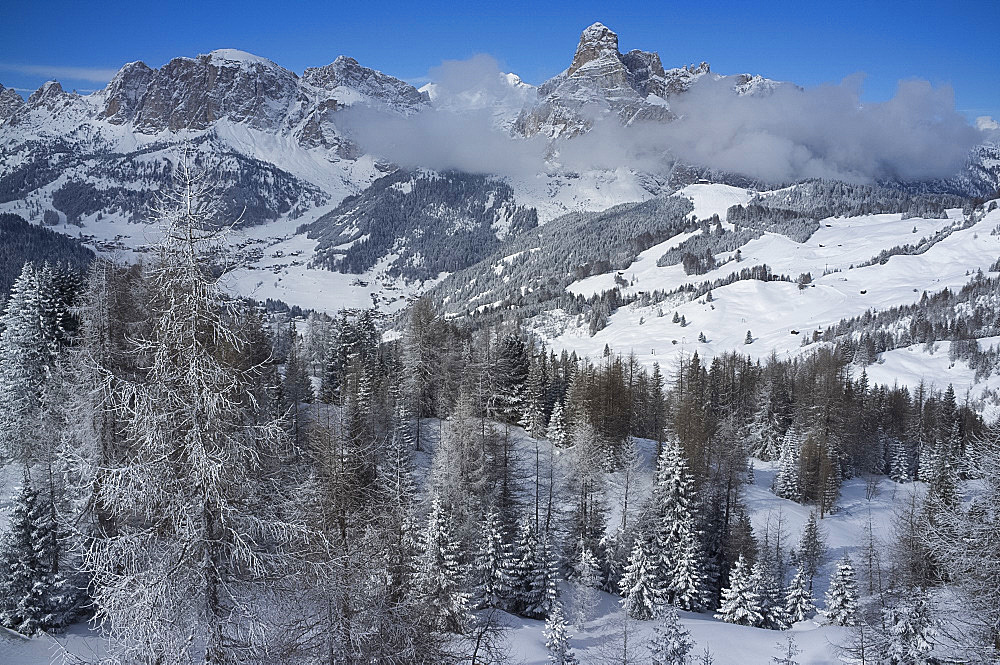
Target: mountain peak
232, 55
597, 41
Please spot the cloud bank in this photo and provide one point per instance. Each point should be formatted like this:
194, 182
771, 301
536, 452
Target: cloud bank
788, 135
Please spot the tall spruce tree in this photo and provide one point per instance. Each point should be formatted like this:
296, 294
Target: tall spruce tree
740, 602
639, 586
842, 596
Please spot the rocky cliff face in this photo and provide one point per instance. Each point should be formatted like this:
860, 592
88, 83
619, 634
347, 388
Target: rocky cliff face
603, 82
10, 103
599, 82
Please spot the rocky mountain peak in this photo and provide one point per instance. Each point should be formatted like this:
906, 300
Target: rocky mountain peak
10, 103
50, 96
597, 41
124, 93
351, 82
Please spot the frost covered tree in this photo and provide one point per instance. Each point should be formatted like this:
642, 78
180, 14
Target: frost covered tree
799, 603
740, 602
639, 586
963, 541
197, 542
34, 327
440, 581
909, 632
535, 587
556, 432
786, 481
557, 636
770, 595
532, 399
787, 651
842, 596
494, 564
687, 583
586, 582
671, 643
678, 560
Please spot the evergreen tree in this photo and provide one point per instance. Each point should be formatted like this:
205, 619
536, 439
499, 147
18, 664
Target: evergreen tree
770, 595
687, 584
535, 583
532, 400
671, 642
909, 632
34, 596
812, 548
26, 354
786, 481
494, 565
842, 596
639, 587
440, 581
557, 636
556, 432
740, 602
586, 583
799, 603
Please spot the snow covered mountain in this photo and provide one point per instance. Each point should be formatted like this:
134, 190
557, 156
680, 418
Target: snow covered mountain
278, 147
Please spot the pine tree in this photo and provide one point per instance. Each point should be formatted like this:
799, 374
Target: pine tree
786, 481
812, 548
909, 632
494, 565
770, 595
639, 587
748, 339
532, 400
535, 583
740, 602
34, 596
557, 636
799, 603
842, 596
687, 584
440, 580
556, 432
586, 584
671, 642
25, 357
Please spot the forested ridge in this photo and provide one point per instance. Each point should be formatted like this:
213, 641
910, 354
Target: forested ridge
213, 482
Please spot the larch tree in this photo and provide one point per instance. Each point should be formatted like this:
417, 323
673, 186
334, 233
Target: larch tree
197, 542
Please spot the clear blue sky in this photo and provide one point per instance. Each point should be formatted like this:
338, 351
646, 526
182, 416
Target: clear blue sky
806, 42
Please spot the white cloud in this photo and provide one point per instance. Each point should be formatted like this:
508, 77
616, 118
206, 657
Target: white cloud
93, 74
986, 123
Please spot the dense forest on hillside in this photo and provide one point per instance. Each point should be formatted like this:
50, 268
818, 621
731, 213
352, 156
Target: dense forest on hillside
211, 482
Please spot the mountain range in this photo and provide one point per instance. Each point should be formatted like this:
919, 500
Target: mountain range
292, 157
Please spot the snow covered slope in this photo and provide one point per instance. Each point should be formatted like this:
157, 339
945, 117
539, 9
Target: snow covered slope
780, 314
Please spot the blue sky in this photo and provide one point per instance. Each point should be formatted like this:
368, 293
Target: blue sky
83, 43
